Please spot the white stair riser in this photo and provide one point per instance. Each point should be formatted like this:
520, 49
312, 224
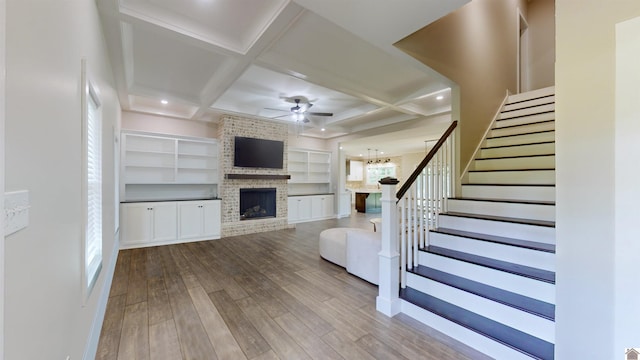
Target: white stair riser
542, 193
533, 149
517, 210
506, 315
529, 103
536, 177
513, 254
526, 112
543, 234
522, 129
525, 120
470, 338
550, 90
503, 280
520, 139
532, 162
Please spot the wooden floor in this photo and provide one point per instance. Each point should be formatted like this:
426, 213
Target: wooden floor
259, 296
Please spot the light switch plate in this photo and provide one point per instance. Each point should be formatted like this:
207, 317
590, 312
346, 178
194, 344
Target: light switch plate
16, 211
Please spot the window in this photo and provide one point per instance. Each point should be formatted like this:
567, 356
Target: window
376, 172
92, 183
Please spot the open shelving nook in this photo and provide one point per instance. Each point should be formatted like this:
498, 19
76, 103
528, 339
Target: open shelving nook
166, 167
310, 172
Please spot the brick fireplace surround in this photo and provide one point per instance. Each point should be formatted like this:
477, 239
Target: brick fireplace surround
229, 189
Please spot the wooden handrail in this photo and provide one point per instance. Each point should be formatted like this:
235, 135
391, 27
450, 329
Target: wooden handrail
407, 184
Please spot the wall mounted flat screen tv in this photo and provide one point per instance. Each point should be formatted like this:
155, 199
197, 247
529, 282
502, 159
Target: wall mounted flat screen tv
258, 153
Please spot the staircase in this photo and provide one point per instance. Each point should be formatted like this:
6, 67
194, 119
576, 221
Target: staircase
487, 275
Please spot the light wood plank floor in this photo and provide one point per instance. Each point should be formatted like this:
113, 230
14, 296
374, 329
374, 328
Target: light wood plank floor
259, 296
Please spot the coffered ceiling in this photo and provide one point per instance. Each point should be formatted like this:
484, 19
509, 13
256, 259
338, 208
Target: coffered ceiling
251, 57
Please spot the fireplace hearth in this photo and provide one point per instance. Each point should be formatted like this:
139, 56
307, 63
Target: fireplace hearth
257, 203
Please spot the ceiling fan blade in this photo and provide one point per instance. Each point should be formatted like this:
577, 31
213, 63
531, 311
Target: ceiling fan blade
276, 109
320, 113
280, 116
306, 120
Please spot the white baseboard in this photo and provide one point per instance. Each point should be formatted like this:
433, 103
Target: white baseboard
91, 347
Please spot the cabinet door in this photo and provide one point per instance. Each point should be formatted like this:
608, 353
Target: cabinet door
211, 218
317, 205
189, 219
327, 210
164, 221
304, 209
292, 208
136, 223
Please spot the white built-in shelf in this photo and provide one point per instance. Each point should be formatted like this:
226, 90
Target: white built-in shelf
183, 166
310, 171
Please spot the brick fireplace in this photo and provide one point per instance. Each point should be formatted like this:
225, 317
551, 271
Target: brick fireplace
233, 179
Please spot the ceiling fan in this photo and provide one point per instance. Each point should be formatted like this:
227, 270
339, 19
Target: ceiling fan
301, 109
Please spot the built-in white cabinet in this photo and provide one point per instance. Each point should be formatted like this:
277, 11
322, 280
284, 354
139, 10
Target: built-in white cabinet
168, 222
356, 170
148, 223
198, 219
321, 206
310, 207
299, 208
164, 167
310, 171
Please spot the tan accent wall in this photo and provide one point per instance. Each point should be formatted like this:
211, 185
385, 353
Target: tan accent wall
475, 47
542, 26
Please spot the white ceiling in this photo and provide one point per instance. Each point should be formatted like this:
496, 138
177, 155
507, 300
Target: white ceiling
250, 57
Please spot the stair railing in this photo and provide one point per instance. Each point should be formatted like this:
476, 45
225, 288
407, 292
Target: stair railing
409, 214
422, 198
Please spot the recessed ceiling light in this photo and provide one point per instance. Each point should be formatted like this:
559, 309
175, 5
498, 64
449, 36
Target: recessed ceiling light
341, 148
322, 129
164, 102
359, 154
381, 152
439, 97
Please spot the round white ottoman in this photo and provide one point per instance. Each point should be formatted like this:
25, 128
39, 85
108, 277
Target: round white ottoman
333, 245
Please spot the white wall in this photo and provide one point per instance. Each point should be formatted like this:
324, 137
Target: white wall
2, 111
168, 125
591, 231
45, 41
627, 192
304, 142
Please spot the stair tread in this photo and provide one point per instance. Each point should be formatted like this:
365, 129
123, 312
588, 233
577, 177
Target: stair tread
518, 125
509, 201
520, 134
527, 185
512, 145
507, 113
503, 219
533, 245
517, 269
496, 170
513, 157
521, 302
513, 338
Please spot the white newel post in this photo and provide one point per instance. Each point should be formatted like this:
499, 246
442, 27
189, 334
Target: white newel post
388, 301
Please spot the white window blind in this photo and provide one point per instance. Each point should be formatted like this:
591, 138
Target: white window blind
93, 188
